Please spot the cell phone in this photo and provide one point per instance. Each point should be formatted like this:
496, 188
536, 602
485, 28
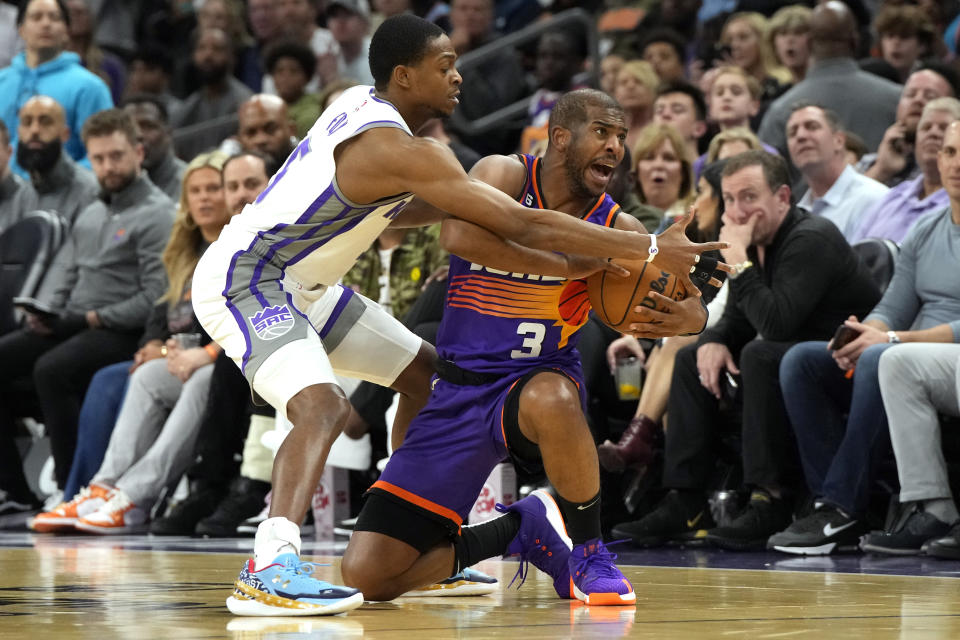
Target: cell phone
34, 306
842, 337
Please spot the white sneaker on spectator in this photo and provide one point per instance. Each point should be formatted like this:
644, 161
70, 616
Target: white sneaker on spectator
118, 515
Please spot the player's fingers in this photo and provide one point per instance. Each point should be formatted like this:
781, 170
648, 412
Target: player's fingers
723, 266
711, 246
715, 283
616, 269
687, 283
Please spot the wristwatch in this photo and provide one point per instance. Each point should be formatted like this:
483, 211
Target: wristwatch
738, 269
892, 337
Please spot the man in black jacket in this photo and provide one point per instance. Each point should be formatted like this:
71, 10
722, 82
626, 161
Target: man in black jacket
795, 277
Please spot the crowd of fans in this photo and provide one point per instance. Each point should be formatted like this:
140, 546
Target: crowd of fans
807, 135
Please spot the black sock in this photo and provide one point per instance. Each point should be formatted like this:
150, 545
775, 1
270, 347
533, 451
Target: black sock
582, 518
484, 540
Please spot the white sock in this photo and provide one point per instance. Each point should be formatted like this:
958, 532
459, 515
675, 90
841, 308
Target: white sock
275, 536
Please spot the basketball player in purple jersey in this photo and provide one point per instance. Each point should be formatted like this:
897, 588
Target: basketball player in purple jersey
510, 385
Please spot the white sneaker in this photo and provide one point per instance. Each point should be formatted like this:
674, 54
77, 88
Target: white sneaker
348, 453
118, 515
53, 501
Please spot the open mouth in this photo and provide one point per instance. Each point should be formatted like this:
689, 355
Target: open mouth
601, 172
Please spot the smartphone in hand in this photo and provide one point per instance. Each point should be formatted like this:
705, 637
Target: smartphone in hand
843, 336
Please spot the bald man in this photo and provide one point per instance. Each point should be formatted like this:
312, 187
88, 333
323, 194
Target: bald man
866, 104
264, 125
61, 185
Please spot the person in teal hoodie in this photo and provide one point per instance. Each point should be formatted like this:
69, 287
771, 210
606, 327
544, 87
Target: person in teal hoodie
44, 68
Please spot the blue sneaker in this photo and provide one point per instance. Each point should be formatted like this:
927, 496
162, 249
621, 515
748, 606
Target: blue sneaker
596, 580
468, 582
542, 539
285, 588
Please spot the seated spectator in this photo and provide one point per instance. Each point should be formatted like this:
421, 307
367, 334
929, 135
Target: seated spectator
264, 125
864, 103
219, 95
682, 106
744, 35
835, 190
105, 278
44, 68
62, 186
610, 66
291, 65
80, 41
892, 216
788, 34
893, 161
152, 442
644, 434
730, 142
263, 16
17, 196
635, 90
663, 173
227, 15
838, 417
779, 293
664, 49
906, 35
164, 169
349, 23
298, 21
150, 72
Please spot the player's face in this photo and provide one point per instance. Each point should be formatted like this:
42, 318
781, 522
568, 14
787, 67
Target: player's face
437, 78
595, 151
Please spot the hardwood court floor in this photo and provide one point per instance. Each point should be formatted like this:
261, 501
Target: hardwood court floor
108, 591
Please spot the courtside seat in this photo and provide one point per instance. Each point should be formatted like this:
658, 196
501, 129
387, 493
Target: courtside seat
26, 249
879, 254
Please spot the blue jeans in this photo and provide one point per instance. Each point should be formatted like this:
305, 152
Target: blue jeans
98, 415
840, 424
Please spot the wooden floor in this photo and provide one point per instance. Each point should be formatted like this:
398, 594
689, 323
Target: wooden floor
52, 591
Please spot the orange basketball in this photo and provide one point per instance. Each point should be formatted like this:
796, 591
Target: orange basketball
614, 298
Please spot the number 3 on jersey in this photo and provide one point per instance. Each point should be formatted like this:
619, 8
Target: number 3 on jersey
534, 333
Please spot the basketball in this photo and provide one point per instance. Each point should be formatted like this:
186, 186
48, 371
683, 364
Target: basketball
614, 297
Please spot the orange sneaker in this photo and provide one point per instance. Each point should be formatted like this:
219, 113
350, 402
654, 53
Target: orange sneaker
66, 514
117, 515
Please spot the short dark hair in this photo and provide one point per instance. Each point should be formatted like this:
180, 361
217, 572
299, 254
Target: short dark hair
906, 21
829, 114
108, 122
148, 98
22, 11
570, 111
942, 69
4, 133
774, 167
269, 164
686, 88
301, 53
154, 56
399, 40
667, 36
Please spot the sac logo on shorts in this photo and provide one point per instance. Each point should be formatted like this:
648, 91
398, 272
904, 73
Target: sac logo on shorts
272, 322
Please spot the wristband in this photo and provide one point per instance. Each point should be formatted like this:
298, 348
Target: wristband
211, 350
653, 248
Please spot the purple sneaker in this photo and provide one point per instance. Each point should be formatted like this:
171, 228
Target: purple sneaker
596, 579
542, 539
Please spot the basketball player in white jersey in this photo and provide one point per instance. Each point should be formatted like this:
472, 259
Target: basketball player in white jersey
267, 290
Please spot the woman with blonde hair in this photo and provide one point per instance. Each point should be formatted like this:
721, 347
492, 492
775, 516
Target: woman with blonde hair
730, 142
744, 38
152, 437
636, 89
663, 170
788, 34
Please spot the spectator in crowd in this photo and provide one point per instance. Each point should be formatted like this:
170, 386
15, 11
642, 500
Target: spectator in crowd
664, 49
17, 196
107, 277
789, 36
263, 16
893, 215
164, 169
349, 22
893, 161
610, 66
150, 72
835, 190
227, 15
218, 96
44, 68
906, 35
333, 91
839, 418
291, 65
745, 36
779, 293
264, 125
10, 43
61, 185
298, 19
864, 103
664, 173
636, 90
918, 383
730, 142
682, 106
80, 41
152, 442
